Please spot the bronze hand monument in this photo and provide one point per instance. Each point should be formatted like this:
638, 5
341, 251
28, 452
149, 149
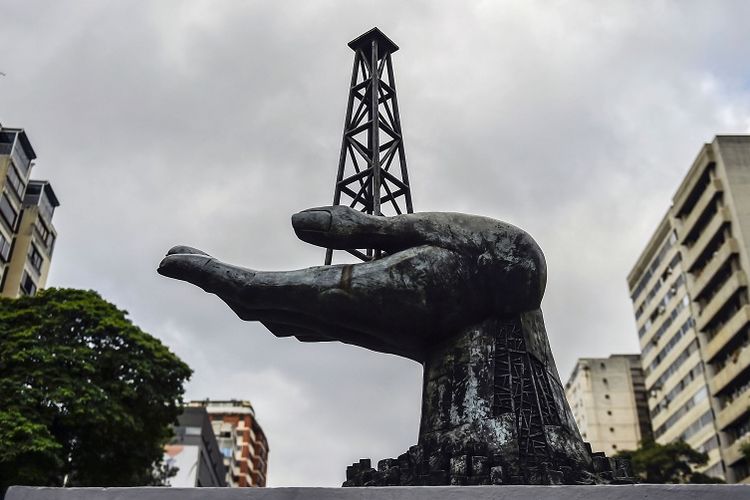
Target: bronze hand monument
459, 294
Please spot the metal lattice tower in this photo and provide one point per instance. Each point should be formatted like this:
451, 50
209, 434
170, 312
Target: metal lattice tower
372, 173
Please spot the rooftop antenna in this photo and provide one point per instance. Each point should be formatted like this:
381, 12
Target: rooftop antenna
372, 174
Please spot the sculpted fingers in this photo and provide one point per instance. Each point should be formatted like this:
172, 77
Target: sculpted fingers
197, 267
341, 227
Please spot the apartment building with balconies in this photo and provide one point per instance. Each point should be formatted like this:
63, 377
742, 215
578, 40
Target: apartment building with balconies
693, 315
241, 440
27, 236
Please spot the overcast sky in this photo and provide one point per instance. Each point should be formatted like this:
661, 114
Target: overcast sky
209, 123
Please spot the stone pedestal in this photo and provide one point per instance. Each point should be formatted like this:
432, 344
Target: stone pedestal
625, 492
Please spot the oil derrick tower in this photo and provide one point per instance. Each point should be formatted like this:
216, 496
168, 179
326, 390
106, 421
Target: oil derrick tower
372, 174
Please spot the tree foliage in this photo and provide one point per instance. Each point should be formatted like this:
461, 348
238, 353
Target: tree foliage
668, 463
84, 393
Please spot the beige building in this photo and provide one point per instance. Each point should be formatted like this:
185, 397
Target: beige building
689, 292
241, 440
27, 236
608, 400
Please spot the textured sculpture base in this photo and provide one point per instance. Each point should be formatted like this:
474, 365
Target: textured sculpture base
494, 412
633, 492
477, 469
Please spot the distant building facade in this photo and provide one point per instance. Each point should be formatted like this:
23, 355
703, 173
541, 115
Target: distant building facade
241, 440
27, 236
194, 452
609, 402
689, 289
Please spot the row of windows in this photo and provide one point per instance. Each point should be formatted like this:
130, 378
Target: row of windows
45, 207
677, 363
700, 395
35, 258
19, 158
671, 240
716, 470
657, 286
677, 389
671, 293
711, 444
8, 212
696, 426
689, 323
15, 182
667, 322
45, 234
4, 248
28, 286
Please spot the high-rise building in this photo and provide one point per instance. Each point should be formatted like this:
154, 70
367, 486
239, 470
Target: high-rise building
690, 297
241, 440
609, 403
194, 452
27, 236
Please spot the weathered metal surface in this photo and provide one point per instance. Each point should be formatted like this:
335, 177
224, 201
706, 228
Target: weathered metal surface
458, 293
373, 141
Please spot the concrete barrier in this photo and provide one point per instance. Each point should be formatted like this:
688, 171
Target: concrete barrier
624, 492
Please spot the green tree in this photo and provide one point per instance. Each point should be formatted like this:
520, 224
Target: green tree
668, 463
84, 393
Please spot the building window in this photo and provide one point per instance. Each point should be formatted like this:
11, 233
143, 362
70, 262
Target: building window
35, 258
606, 396
715, 471
611, 429
609, 412
19, 158
15, 181
7, 211
4, 248
45, 207
45, 234
28, 287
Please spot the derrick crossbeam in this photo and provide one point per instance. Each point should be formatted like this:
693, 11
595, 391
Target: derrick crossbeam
372, 175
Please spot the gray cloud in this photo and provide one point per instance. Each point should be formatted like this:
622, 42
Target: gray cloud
210, 123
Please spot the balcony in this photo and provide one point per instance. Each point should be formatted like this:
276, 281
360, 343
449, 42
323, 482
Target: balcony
733, 411
728, 289
727, 332
692, 254
731, 370
734, 453
698, 171
726, 250
714, 187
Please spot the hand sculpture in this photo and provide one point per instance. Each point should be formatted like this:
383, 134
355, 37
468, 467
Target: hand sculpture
458, 293
443, 272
